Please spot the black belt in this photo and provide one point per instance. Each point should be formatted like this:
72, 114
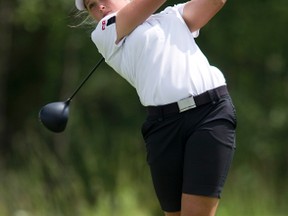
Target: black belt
209, 96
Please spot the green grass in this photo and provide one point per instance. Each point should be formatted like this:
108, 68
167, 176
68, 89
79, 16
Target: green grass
23, 194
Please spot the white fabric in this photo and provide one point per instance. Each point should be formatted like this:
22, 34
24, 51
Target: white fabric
159, 58
80, 5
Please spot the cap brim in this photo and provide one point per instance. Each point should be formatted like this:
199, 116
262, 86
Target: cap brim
80, 4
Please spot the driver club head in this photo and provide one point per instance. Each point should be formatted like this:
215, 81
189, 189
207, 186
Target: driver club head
54, 116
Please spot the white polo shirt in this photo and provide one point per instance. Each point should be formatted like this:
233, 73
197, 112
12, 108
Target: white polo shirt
159, 58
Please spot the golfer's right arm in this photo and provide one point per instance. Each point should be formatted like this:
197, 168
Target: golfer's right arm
133, 14
197, 13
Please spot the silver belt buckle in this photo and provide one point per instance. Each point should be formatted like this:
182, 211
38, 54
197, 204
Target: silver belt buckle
186, 104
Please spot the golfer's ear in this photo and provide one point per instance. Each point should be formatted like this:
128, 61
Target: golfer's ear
197, 13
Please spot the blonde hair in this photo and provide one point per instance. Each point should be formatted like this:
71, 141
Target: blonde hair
83, 18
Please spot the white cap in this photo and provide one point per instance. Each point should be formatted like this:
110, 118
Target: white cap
80, 4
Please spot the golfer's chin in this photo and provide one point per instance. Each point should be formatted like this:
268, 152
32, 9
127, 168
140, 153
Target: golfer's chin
99, 17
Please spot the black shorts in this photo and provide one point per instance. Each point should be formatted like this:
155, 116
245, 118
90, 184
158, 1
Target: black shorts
190, 152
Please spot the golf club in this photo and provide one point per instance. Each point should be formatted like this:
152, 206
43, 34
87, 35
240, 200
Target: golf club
54, 116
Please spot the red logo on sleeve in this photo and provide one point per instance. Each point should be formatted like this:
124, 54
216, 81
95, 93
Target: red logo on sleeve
103, 24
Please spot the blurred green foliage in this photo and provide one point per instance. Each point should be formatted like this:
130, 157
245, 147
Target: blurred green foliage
97, 166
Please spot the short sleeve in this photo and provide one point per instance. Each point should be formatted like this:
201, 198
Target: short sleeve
180, 8
105, 35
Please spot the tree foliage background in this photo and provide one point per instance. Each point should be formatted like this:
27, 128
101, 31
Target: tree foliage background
97, 166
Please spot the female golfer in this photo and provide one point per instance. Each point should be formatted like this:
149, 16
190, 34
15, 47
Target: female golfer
190, 128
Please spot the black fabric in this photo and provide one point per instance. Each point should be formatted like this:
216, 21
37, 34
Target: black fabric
111, 20
190, 152
210, 96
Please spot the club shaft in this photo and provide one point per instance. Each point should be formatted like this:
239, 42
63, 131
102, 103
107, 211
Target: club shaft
86, 78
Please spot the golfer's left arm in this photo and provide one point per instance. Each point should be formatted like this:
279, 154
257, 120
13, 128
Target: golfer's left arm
133, 14
197, 13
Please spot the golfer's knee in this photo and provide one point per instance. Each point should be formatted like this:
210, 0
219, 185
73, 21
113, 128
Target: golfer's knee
173, 213
193, 205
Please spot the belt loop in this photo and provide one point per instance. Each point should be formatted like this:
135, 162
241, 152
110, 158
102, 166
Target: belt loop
213, 96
